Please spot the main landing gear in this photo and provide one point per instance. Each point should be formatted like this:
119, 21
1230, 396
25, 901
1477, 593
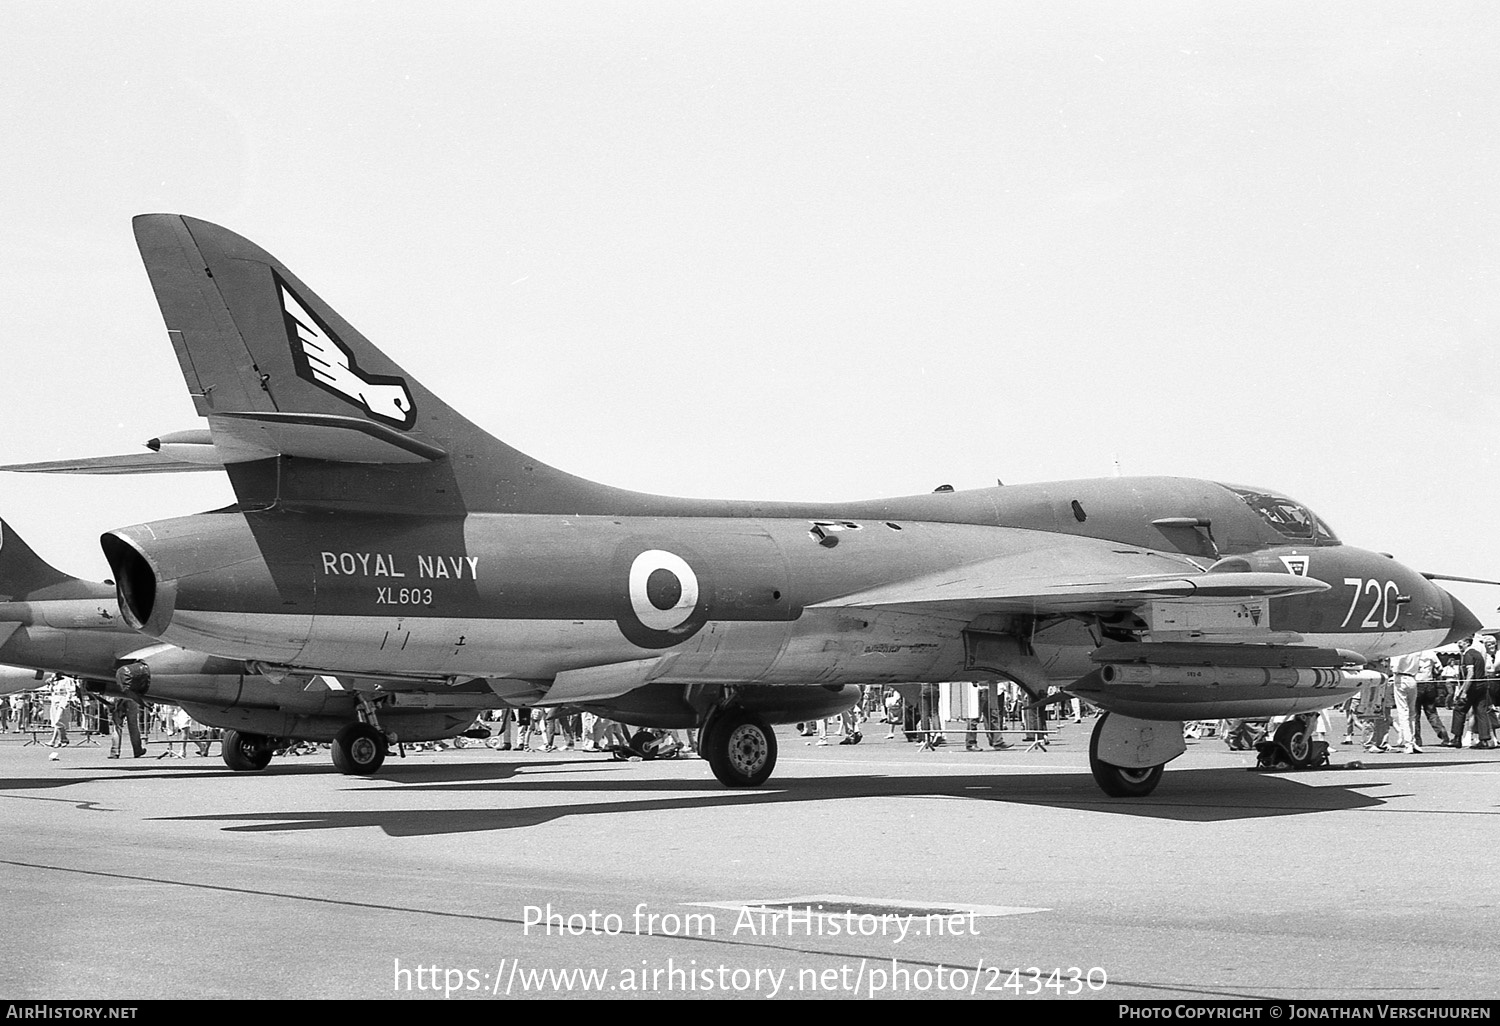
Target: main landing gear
359, 749
740, 748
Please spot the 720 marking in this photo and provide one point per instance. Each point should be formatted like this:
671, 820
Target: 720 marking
1385, 603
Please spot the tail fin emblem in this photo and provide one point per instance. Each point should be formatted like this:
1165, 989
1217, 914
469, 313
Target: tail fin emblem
322, 359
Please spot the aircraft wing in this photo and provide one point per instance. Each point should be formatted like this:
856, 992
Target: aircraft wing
1064, 575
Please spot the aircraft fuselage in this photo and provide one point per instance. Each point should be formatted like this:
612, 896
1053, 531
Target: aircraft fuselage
727, 599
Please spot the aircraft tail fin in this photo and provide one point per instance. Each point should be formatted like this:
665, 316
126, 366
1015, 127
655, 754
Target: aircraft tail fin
23, 573
304, 409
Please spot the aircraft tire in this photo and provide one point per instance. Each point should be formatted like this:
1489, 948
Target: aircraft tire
1120, 781
1295, 739
740, 748
640, 742
246, 753
358, 749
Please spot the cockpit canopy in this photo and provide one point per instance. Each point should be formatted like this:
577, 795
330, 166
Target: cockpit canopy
1292, 520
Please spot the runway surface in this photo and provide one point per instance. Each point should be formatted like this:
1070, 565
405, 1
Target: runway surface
175, 878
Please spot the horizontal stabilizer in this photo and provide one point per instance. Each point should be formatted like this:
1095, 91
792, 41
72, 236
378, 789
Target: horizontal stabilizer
255, 435
126, 463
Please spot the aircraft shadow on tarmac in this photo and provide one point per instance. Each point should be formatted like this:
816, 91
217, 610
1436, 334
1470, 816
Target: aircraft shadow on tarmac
1210, 795
153, 770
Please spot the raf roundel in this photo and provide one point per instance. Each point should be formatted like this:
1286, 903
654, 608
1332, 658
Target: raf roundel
663, 590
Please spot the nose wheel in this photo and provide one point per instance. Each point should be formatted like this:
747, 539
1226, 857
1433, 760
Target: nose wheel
1293, 745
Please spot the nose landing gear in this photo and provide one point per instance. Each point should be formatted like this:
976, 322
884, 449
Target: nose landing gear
1293, 745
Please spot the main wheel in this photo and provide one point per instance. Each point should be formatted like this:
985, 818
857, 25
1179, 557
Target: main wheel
740, 748
245, 753
1120, 781
1295, 739
358, 749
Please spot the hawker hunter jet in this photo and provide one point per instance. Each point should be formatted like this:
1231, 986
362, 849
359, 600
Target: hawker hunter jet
379, 534
51, 622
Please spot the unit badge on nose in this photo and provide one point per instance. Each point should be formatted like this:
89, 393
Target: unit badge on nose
1295, 565
666, 603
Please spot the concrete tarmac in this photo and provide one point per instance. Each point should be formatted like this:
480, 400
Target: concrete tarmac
1003, 875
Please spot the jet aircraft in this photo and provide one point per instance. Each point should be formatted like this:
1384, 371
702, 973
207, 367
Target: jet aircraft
377, 533
50, 621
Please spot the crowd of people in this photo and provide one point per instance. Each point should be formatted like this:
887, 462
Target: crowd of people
63, 708
1455, 690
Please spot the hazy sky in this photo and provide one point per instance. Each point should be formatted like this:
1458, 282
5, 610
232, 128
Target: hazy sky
797, 250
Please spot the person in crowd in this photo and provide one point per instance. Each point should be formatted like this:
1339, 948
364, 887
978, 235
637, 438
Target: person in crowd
894, 713
849, 722
1429, 696
61, 701
1404, 672
1473, 697
1375, 702
991, 719
125, 715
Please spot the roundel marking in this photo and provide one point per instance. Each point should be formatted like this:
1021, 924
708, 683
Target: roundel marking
663, 589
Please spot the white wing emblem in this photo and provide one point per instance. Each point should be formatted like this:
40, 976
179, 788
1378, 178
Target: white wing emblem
324, 361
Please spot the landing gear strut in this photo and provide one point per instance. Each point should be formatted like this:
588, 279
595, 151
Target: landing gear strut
1121, 781
245, 752
740, 748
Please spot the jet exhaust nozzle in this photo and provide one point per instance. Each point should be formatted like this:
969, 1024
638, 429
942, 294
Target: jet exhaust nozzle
135, 580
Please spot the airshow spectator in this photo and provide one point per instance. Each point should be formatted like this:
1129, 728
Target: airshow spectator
125, 714
1429, 696
1404, 671
62, 696
1472, 697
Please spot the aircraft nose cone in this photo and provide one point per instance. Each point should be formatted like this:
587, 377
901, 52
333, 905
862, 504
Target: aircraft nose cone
1463, 623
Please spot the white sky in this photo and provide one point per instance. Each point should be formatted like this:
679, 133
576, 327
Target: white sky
797, 250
